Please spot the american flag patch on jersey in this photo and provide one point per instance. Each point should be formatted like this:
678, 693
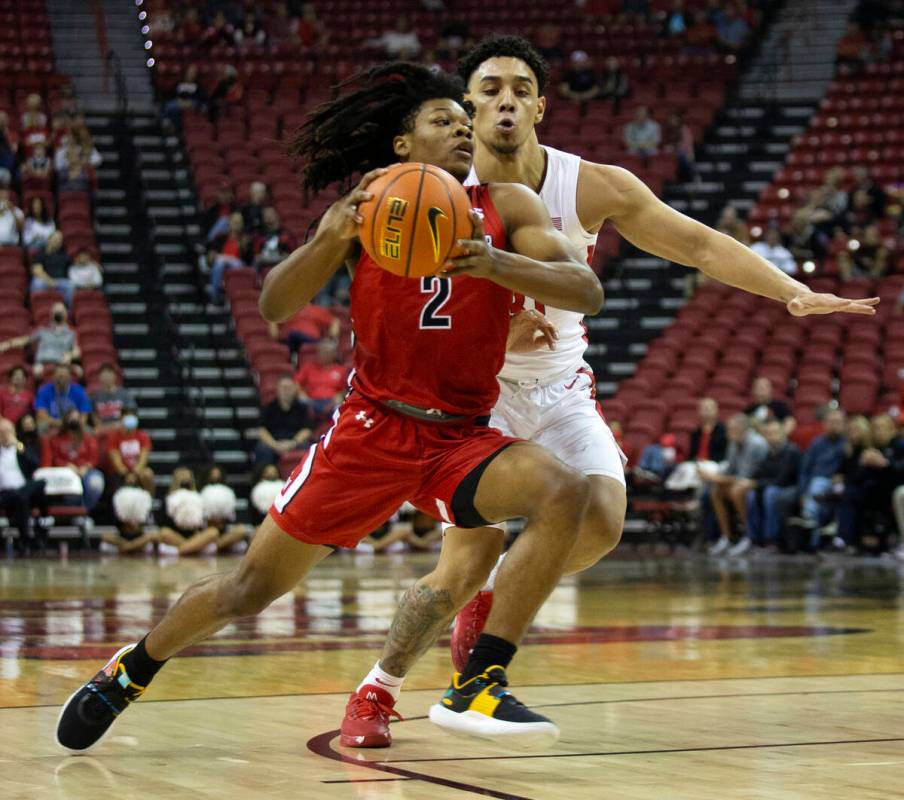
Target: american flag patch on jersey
557, 223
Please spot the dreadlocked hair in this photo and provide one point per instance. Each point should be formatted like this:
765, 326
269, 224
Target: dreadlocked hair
504, 46
354, 132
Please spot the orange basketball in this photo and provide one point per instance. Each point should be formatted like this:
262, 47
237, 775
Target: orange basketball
417, 213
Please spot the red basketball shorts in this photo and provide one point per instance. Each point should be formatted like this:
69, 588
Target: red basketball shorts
374, 459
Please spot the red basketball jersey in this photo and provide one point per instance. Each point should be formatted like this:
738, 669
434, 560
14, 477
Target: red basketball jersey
433, 342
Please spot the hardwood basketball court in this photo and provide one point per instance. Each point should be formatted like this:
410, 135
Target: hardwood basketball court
670, 678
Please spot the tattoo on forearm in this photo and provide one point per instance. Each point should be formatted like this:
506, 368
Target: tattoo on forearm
422, 616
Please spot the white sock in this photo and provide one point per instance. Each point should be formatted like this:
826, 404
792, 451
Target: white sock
491, 580
387, 682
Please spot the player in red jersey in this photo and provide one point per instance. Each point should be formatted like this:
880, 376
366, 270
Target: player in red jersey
506, 78
414, 425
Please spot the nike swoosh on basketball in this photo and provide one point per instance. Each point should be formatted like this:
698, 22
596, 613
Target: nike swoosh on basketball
433, 214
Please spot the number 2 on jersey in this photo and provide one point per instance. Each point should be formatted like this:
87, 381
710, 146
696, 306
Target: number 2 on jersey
441, 289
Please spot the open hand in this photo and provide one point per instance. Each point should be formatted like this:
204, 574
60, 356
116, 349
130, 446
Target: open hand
807, 303
529, 330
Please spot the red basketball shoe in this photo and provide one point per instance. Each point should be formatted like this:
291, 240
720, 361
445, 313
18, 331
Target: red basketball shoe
366, 721
469, 624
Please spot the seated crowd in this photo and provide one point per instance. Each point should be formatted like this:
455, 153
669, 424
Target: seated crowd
764, 481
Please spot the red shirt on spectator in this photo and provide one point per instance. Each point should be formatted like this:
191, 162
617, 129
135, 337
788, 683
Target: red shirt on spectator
312, 321
322, 381
63, 449
14, 404
703, 449
129, 445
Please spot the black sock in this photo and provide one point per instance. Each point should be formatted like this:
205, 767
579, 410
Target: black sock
140, 666
488, 652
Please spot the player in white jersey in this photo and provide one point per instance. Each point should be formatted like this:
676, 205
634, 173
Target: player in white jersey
545, 395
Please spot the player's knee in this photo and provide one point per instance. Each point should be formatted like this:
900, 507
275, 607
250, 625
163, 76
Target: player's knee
604, 520
463, 580
566, 494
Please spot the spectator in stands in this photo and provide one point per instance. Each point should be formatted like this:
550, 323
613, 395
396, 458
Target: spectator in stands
75, 176
285, 424
728, 488
676, 21
771, 491
229, 91
731, 30
252, 32
188, 96
772, 249
400, 42
12, 220
189, 31
16, 399
323, 381
253, 210
678, 138
39, 225
311, 29
814, 223
709, 441
215, 220
218, 33
38, 168
56, 343
50, 268
731, 224
864, 258
18, 492
700, 37
863, 182
60, 396
80, 135
34, 124
849, 49
229, 251
878, 47
614, 83
643, 134
110, 401
898, 503
548, 42
308, 325
659, 459
85, 272
128, 449
282, 28
274, 243
821, 463
72, 446
765, 406
27, 432
852, 480
579, 83
9, 152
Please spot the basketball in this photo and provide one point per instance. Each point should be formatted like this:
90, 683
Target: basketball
417, 213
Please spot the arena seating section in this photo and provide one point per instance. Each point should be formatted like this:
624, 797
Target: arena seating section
27, 67
246, 143
722, 339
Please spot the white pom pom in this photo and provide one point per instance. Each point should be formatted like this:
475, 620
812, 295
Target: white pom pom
185, 508
219, 501
132, 505
264, 493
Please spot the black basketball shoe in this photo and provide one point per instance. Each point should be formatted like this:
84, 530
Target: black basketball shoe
483, 707
88, 714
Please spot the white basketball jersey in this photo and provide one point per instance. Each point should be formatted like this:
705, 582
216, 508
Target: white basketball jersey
559, 195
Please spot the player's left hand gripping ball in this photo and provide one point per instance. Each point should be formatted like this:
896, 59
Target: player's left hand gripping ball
475, 256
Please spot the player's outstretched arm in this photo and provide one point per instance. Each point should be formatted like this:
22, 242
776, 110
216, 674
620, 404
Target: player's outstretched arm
295, 281
648, 223
544, 264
